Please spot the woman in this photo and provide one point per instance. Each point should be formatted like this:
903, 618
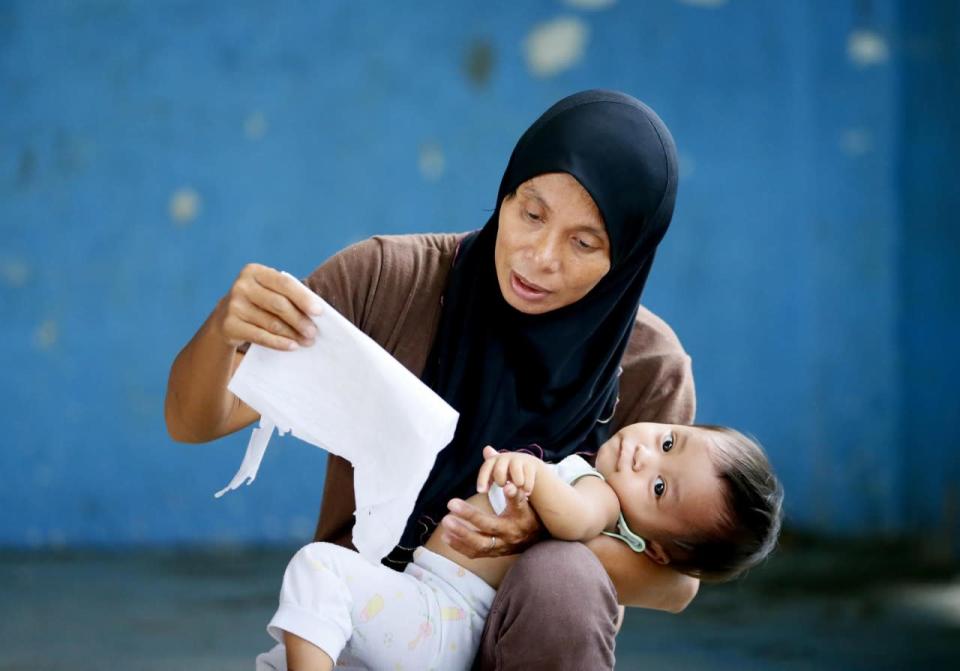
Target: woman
524, 327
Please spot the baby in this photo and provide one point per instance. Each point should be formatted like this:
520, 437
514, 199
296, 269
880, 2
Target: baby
703, 499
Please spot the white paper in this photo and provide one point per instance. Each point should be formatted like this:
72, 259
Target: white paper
348, 396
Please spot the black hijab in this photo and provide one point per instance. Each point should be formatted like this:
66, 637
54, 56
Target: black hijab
549, 380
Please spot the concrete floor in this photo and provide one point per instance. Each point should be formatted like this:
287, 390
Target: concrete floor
813, 606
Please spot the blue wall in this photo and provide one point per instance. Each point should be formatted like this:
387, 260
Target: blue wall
149, 149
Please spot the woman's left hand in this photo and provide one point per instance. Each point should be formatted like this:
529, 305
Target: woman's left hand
469, 530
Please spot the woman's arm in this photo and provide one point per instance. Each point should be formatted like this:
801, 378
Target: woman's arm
198, 406
640, 581
263, 306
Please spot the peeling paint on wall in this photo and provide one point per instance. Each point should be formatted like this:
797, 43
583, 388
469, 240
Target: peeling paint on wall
46, 334
687, 166
185, 205
866, 48
478, 63
856, 141
255, 126
14, 272
431, 162
555, 46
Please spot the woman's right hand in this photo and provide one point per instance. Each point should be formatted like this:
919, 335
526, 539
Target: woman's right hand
469, 530
269, 308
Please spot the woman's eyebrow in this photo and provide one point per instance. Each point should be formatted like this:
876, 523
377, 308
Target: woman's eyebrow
533, 193
592, 227
595, 229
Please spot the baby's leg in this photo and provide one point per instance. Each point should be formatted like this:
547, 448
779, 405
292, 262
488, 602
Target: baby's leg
303, 655
336, 604
315, 604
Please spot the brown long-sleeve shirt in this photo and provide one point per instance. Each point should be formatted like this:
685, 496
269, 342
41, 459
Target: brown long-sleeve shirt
390, 287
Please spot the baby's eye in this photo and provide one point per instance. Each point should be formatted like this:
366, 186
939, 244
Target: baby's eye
659, 486
668, 443
532, 216
583, 244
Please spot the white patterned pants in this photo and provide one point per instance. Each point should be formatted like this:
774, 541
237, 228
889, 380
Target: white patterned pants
368, 616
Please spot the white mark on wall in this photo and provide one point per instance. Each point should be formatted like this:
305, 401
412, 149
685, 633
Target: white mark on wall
46, 335
431, 161
14, 272
255, 126
856, 141
866, 48
185, 205
939, 601
709, 4
591, 4
301, 527
687, 166
554, 46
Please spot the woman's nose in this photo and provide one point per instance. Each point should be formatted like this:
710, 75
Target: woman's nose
546, 254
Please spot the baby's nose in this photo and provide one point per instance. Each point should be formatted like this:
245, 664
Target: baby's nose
642, 457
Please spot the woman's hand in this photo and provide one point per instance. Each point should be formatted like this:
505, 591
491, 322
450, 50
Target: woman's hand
475, 533
469, 530
269, 308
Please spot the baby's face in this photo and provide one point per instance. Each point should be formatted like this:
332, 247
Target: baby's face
665, 479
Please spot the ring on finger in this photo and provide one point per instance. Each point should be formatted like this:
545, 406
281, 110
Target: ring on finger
493, 543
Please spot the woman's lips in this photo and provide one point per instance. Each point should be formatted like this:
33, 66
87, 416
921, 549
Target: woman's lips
525, 289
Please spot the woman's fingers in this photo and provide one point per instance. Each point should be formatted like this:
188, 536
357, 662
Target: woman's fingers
478, 520
282, 308
270, 323
246, 332
468, 529
465, 541
267, 307
288, 286
469, 540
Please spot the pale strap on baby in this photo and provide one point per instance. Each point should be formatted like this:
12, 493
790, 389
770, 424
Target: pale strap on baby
625, 534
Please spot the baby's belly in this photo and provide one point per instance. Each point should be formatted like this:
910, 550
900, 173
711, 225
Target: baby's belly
490, 570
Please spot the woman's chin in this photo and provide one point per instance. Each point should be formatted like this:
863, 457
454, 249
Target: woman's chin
519, 304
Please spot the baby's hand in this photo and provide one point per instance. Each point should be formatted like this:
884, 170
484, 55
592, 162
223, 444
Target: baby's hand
503, 467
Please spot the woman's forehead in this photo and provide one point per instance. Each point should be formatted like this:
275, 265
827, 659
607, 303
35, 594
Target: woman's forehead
554, 190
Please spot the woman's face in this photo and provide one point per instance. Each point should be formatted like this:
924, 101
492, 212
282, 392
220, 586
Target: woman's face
552, 246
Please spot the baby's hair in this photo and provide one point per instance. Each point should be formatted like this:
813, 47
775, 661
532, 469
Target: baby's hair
750, 525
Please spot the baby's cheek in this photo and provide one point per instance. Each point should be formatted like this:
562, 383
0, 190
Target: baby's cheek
630, 503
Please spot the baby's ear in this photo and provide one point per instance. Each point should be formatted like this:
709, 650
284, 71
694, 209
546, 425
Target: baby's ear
656, 552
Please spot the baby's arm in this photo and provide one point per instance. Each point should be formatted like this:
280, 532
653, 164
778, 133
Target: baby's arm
569, 512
